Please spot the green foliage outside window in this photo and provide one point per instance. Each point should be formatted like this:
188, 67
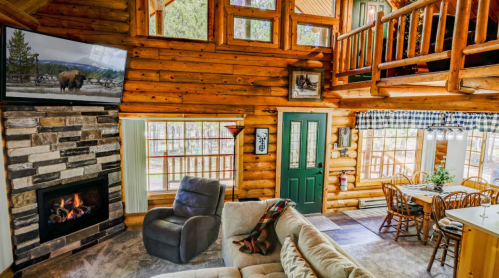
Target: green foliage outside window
312, 35
187, 19
252, 29
152, 25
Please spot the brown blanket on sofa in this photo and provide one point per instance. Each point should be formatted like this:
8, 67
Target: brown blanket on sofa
262, 238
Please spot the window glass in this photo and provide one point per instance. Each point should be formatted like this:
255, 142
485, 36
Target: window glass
295, 142
491, 159
259, 4
386, 152
473, 154
175, 149
252, 29
185, 19
312, 144
313, 35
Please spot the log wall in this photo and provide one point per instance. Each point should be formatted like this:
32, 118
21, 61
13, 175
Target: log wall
179, 76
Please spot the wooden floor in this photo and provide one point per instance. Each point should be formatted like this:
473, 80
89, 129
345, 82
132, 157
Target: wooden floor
351, 231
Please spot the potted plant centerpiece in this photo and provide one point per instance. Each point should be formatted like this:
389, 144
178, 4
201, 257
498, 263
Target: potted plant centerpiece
440, 177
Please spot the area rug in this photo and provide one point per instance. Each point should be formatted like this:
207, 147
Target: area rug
322, 223
122, 256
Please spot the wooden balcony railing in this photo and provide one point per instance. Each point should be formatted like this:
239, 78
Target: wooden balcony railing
352, 56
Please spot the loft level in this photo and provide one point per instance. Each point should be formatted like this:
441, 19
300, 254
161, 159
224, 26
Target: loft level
453, 62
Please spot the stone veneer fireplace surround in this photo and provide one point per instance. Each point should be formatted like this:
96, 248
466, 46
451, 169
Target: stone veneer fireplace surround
50, 146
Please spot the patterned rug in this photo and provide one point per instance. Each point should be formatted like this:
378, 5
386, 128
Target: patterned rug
322, 223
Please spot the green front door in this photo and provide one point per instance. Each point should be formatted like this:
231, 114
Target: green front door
302, 164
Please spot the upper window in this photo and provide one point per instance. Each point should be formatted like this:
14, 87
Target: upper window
259, 4
195, 148
386, 152
482, 156
313, 35
184, 19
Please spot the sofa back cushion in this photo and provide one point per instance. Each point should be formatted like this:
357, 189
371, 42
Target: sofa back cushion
289, 223
325, 260
196, 196
292, 261
239, 218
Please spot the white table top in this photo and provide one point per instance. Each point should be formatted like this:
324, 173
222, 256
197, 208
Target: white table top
471, 217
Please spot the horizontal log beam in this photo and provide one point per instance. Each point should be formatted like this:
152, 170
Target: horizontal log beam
467, 103
486, 83
351, 86
149, 107
69, 22
413, 79
110, 4
356, 31
415, 60
483, 71
407, 9
354, 71
17, 15
85, 12
483, 47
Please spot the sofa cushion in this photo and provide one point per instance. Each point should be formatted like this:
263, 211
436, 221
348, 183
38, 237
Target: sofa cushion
235, 258
293, 263
273, 270
167, 230
325, 260
220, 272
239, 218
289, 223
196, 196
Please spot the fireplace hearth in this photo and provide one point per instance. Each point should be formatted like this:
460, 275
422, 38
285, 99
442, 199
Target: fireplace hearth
67, 208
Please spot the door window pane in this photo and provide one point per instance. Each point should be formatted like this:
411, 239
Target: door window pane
313, 35
252, 29
294, 148
312, 144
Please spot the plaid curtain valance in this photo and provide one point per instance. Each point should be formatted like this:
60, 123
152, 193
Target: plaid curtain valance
382, 119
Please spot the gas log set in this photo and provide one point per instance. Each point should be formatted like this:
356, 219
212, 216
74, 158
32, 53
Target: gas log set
68, 208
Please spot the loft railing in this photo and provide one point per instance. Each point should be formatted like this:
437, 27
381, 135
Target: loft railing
348, 55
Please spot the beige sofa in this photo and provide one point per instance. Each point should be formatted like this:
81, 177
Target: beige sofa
238, 219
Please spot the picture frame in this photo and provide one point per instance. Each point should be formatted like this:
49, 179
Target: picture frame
344, 137
306, 84
261, 140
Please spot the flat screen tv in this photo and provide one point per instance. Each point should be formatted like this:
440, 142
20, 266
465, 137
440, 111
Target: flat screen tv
40, 68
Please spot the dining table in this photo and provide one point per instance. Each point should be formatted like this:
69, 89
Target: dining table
422, 194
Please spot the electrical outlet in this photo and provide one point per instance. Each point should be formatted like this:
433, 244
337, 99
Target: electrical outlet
334, 155
335, 145
340, 202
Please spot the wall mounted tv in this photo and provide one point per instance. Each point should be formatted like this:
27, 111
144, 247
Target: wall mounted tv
38, 68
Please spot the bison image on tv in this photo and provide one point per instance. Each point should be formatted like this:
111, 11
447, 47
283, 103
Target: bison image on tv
44, 68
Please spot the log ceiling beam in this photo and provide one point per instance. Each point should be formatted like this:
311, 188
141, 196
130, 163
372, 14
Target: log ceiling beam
16, 15
469, 103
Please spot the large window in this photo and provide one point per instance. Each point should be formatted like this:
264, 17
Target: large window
196, 148
389, 151
184, 19
482, 156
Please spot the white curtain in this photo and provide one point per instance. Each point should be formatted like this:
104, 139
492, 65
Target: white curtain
456, 155
5, 240
134, 164
428, 158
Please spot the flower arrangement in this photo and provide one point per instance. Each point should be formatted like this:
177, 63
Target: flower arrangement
441, 175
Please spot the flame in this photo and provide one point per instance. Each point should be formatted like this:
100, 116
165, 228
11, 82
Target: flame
62, 202
76, 202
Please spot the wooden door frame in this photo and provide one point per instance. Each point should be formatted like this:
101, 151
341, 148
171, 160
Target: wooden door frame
328, 147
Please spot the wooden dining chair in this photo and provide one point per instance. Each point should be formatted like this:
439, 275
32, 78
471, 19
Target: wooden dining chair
455, 199
399, 179
400, 211
438, 212
496, 199
419, 177
476, 183
472, 200
488, 192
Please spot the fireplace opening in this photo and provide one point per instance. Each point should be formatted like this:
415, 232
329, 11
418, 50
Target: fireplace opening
67, 208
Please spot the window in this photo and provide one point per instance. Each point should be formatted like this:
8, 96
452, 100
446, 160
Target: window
185, 19
311, 32
196, 148
313, 35
253, 22
389, 151
482, 156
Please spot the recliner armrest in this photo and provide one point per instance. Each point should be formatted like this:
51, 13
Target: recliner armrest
156, 213
198, 233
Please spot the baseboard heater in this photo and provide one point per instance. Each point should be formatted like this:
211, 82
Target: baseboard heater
372, 203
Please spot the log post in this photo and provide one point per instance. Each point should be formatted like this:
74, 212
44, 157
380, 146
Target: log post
336, 56
400, 38
369, 51
442, 19
343, 55
159, 22
426, 33
413, 29
219, 22
355, 53
389, 41
286, 28
348, 56
482, 20
378, 50
362, 50
17, 15
463, 9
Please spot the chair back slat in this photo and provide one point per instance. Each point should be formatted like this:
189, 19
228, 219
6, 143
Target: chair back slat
438, 209
488, 192
395, 200
420, 177
472, 200
400, 179
476, 183
455, 199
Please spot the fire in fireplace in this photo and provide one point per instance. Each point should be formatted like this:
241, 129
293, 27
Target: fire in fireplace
71, 207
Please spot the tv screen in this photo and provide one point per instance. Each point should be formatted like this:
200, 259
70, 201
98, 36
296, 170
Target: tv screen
41, 68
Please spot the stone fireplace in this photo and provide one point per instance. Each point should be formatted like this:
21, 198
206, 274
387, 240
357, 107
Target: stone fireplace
64, 179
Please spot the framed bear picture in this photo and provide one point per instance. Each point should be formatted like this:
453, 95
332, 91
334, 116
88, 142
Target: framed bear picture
306, 84
261, 140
